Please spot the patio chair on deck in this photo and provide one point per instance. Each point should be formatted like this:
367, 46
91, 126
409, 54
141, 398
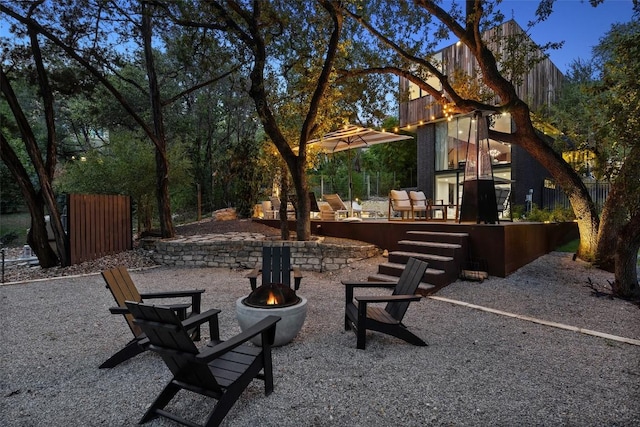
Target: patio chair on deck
502, 200
275, 205
399, 202
222, 370
338, 207
123, 289
267, 210
360, 315
418, 204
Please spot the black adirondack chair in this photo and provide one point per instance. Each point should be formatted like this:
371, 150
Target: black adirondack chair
276, 268
123, 289
360, 315
222, 370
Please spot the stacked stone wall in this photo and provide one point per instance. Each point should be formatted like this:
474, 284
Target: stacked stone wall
310, 256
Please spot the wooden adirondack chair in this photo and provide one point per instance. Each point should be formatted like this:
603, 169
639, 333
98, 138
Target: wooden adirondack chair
276, 268
360, 316
221, 371
123, 289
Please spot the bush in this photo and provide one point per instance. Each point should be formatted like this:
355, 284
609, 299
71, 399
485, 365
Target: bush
559, 214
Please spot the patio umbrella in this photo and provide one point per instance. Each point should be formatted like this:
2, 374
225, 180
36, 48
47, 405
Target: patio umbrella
350, 137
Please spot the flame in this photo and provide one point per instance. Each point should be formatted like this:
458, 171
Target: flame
271, 299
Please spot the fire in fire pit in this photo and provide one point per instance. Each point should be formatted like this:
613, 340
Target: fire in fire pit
272, 295
278, 300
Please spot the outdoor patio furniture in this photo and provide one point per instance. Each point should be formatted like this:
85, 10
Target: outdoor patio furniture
360, 315
222, 370
276, 268
399, 202
267, 210
338, 207
502, 199
438, 211
418, 204
275, 205
123, 289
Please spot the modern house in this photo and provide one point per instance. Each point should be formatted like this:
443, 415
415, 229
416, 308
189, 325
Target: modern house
443, 140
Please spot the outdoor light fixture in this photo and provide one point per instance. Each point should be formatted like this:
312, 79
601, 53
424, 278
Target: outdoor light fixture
479, 193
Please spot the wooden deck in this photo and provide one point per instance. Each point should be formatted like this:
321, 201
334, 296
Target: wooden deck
505, 247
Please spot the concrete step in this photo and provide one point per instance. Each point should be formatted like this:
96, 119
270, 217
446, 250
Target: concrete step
433, 248
436, 236
423, 288
439, 262
432, 276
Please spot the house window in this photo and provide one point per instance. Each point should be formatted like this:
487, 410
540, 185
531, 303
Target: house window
452, 140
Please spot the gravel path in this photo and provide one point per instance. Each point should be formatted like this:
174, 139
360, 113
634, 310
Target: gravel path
479, 368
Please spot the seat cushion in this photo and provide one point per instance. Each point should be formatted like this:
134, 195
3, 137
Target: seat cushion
400, 200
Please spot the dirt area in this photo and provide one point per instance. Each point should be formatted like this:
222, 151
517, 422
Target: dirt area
211, 226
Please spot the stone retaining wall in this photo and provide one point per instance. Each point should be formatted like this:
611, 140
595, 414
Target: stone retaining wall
310, 256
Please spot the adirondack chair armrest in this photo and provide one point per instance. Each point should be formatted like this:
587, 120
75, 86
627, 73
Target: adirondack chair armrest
180, 309
253, 276
390, 285
212, 353
119, 310
387, 298
173, 294
350, 286
297, 277
210, 316
194, 294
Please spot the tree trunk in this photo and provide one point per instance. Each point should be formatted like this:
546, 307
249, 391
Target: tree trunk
37, 236
303, 217
282, 212
626, 259
612, 219
162, 163
35, 201
583, 207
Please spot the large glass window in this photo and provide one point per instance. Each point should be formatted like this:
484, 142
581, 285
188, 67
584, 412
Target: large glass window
453, 137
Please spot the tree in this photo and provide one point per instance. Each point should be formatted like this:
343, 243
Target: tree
305, 49
618, 92
40, 196
97, 37
124, 166
498, 66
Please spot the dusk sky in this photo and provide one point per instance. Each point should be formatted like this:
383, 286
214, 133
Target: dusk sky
575, 21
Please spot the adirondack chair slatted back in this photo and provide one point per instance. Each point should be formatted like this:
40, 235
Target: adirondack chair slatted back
169, 339
407, 285
276, 265
123, 289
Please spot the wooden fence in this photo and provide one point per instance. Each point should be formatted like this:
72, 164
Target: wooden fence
98, 225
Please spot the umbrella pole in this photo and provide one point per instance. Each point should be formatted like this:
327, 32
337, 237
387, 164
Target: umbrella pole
350, 186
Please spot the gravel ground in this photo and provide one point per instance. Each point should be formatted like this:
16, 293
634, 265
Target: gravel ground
479, 368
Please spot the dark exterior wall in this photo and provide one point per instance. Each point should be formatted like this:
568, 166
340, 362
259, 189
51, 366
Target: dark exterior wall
425, 162
527, 173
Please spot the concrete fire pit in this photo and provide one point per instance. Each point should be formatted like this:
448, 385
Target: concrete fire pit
292, 319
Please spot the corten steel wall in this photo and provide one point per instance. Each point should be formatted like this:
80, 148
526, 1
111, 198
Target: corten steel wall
98, 225
505, 247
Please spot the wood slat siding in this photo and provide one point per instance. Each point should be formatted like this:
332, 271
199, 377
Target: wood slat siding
99, 225
538, 87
